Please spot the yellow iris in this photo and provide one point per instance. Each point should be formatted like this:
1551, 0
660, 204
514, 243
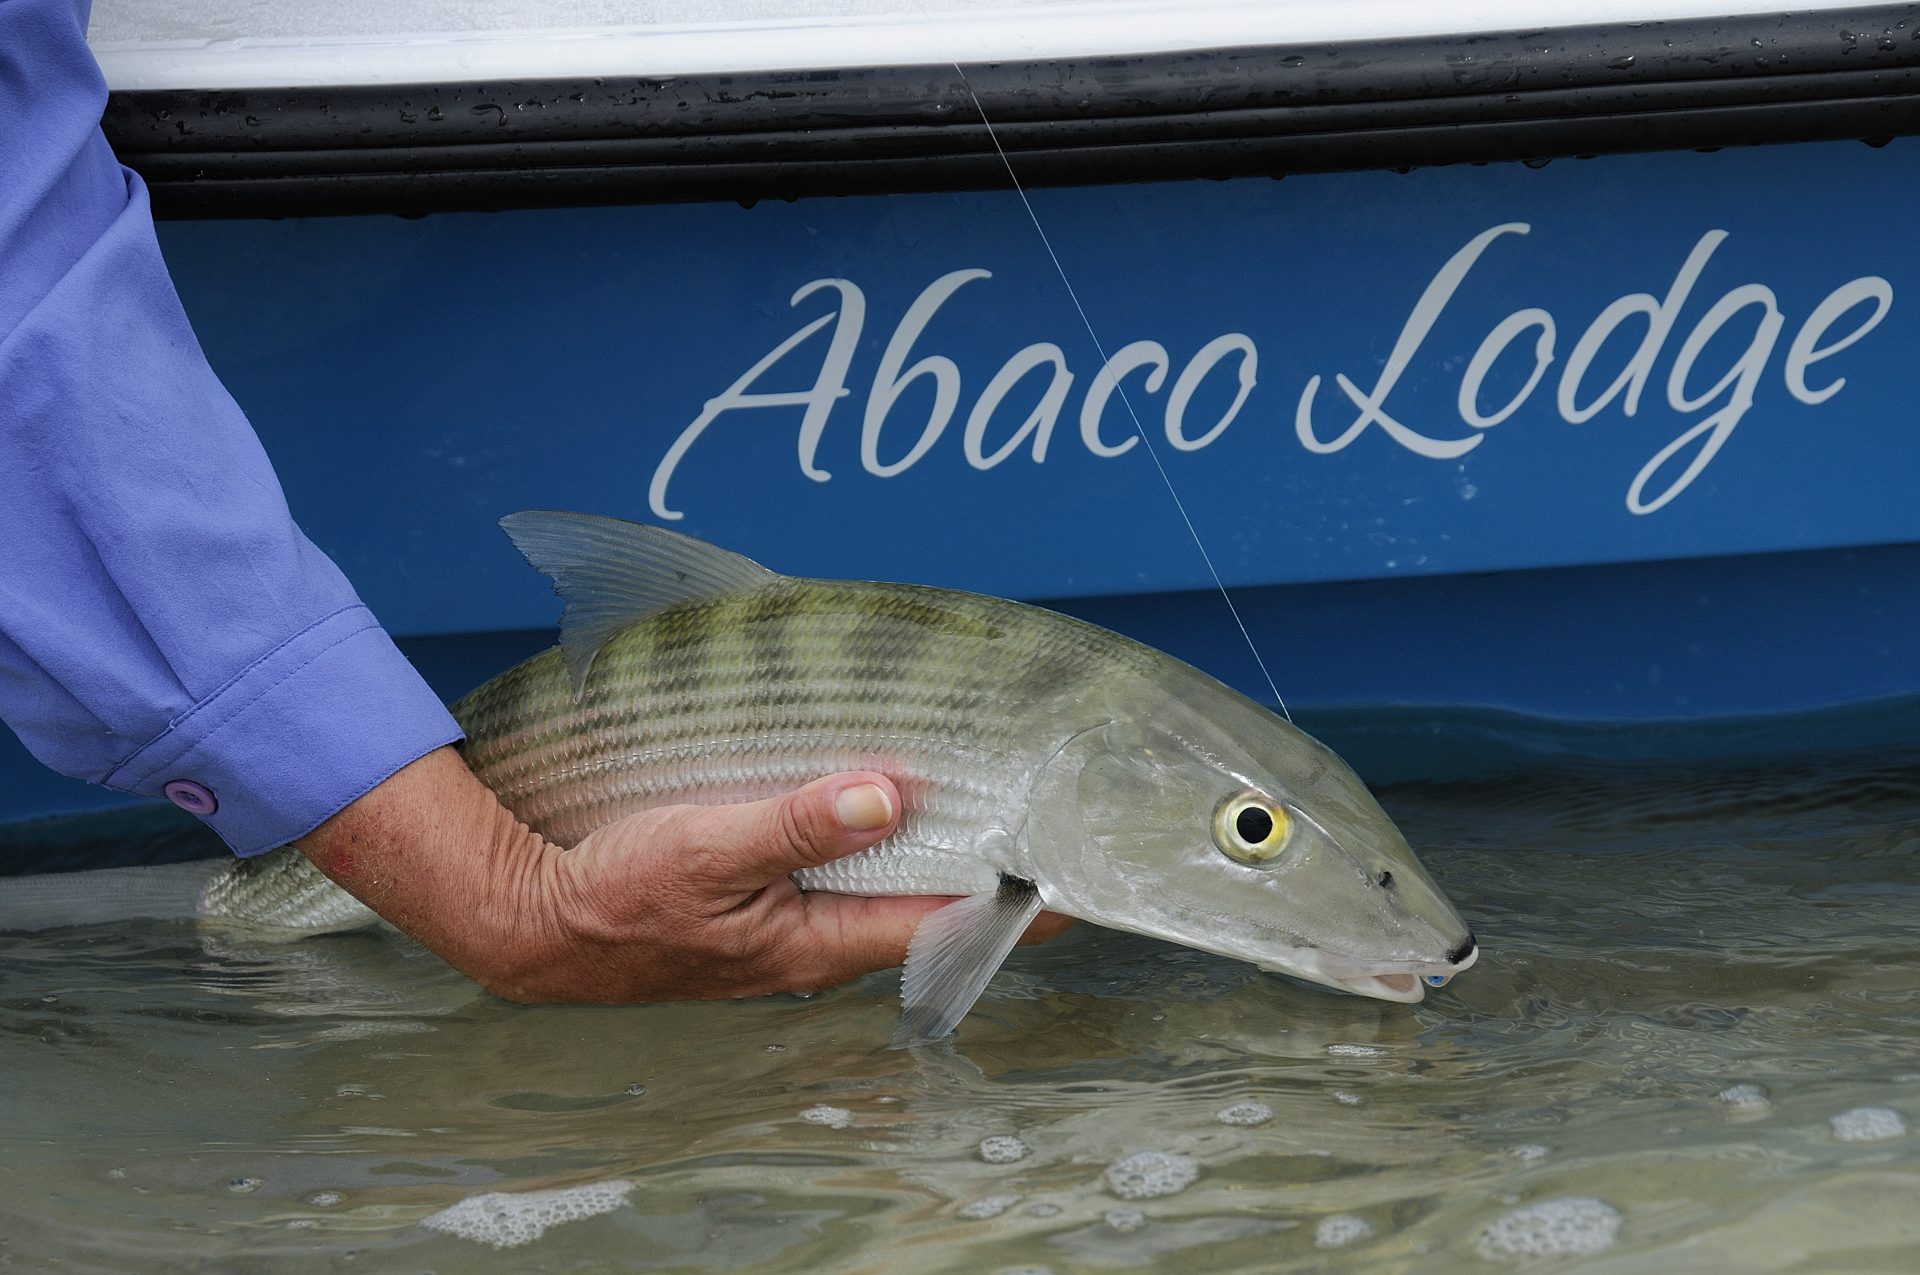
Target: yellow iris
1251, 828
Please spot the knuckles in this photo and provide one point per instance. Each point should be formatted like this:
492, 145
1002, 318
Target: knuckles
666, 906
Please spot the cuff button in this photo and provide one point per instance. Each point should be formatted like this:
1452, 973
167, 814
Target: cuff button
195, 799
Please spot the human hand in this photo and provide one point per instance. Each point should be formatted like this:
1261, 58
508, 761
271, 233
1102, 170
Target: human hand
678, 903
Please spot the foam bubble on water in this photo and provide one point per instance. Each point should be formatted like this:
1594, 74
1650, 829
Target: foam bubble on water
1002, 1148
1355, 1051
1529, 1152
987, 1206
1341, 1229
1868, 1124
508, 1219
1244, 1113
1147, 1174
1348, 1099
1043, 1208
325, 1199
831, 1117
1126, 1221
1571, 1226
1745, 1097
244, 1186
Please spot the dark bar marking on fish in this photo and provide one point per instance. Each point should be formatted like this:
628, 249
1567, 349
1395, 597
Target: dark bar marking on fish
1055, 664
896, 633
776, 680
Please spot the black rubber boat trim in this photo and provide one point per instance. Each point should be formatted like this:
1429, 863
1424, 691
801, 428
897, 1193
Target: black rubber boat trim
1272, 111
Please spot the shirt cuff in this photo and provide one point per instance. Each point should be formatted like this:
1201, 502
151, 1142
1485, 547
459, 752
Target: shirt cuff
292, 739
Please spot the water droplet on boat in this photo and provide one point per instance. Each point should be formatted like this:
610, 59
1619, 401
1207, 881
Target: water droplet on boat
1621, 63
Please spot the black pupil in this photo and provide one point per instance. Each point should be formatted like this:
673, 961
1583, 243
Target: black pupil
1254, 825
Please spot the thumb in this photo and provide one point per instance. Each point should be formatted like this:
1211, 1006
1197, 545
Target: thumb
826, 820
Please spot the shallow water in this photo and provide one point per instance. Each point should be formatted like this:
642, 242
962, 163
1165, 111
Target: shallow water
1653, 940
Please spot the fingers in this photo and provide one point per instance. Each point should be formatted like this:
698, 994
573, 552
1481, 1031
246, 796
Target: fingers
847, 936
1046, 927
828, 819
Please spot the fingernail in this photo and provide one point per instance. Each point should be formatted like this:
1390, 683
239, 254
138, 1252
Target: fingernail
863, 808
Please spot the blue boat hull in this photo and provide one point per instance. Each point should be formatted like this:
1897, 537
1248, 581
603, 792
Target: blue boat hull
1626, 439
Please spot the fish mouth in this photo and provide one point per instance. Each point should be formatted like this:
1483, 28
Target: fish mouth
1405, 982
1407, 989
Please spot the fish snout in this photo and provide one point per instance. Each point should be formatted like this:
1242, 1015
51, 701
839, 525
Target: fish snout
1405, 981
1460, 958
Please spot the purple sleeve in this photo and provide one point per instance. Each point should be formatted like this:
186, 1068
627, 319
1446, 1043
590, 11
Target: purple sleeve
164, 625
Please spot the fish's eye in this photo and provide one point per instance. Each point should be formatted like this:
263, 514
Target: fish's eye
1250, 828
1438, 980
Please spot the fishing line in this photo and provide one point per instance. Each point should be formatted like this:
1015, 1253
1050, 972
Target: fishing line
1125, 398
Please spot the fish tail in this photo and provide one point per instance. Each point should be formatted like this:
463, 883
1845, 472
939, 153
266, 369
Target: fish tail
162, 892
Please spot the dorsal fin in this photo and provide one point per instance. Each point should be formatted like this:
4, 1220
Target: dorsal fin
611, 573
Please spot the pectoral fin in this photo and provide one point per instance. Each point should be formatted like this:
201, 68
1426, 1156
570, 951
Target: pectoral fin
953, 955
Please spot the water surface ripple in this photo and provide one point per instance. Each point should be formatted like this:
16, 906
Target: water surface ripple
1688, 975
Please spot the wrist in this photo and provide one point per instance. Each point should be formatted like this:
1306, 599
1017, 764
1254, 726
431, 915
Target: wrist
432, 850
